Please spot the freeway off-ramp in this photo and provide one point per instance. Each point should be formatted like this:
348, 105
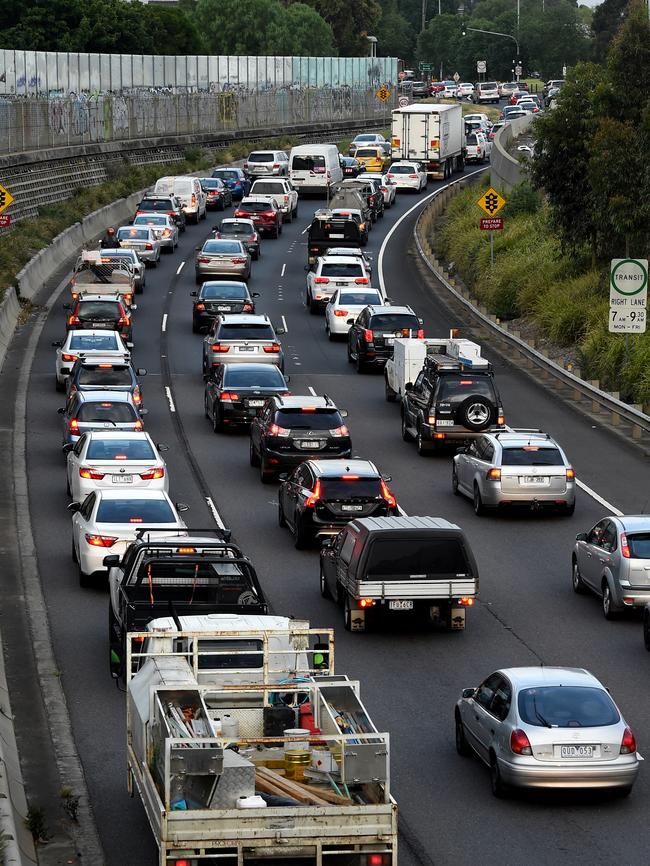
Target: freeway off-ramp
527, 614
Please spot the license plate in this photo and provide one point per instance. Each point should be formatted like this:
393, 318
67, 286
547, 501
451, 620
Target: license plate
352, 508
390, 341
444, 422
337, 237
223, 309
245, 348
309, 445
397, 604
578, 751
100, 325
535, 479
122, 479
255, 403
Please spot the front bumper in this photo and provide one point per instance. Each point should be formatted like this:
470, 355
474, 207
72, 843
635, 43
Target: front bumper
531, 773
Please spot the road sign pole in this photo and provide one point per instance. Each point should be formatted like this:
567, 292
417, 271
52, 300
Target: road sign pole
491, 249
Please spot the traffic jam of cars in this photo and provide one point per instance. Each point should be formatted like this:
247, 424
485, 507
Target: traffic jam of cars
533, 727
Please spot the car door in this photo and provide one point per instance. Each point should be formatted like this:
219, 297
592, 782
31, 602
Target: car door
606, 551
213, 389
465, 466
81, 518
329, 562
290, 494
329, 309
301, 488
478, 719
257, 425
588, 555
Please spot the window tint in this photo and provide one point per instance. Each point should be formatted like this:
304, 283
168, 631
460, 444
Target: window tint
342, 269
266, 187
364, 137
500, 705
268, 377
231, 291
88, 505
567, 707
115, 376
350, 488
472, 139
135, 511
450, 387
609, 537
232, 654
306, 162
224, 247
120, 449
227, 173
348, 547
595, 535
150, 220
531, 455
236, 228
357, 298
245, 332
100, 311
133, 234
296, 419
639, 545
156, 204
403, 169
488, 85
120, 413
486, 690
92, 342
401, 558
261, 157
391, 322
256, 206
211, 183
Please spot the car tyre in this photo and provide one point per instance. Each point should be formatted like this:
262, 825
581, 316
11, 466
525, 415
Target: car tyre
73, 553
195, 327
347, 612
350, 358
569, 510
578, 584
646, 630
324, 591
301, 537
217, 420
266, 477
85, 580
361, 366
462, 746
454, 480
388, 392
252, 455
406, 436
422, 450
499, 789
59, 386
609, 610
479, 508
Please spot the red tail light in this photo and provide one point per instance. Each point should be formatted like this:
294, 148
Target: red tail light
200, 307
314, 496
229, 397
203, 260
87, 472
169, 213
274, 347
570, 474
413, 176
362, 281
340, 312
276, 165
322, 280
420, 334
519, 743
628, 743
193, 199
151, 474
128, 298
247, 308
625, 548
73, 426
219, 347
252, 239
276, 430
148, 246
74, 320
124, 320
493, 475
137, 394
65, 357
239, 261
240, 213
387, 495
166, 233
101, 540
367, 335
338, 432
137, 425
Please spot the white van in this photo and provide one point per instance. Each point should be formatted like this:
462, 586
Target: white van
188, 190
314, 167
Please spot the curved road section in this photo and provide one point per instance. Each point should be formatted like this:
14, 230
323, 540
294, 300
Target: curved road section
528, 613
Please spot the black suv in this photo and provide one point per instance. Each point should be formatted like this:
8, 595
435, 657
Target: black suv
100, 312
341, 228
168, 204
217, 297
289, 429
235, 393
105, 374
448, 402
321, 496
372, 335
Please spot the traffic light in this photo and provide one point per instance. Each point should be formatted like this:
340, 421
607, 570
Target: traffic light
462, 30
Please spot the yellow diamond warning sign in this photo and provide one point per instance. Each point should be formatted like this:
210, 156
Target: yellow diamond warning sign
6, 198
491, 202
383, 93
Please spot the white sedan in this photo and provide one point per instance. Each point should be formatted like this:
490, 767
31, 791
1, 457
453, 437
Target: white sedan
107, 521
87, 343
109, 460
388, 186
408, 175
465, 88
331, 273
141, 239
163, 227
346, 304
479, 117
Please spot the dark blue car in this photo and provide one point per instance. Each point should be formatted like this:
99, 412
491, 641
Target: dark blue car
234, 179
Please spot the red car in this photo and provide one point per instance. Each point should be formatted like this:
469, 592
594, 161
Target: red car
264, 213
436, 87
517, 95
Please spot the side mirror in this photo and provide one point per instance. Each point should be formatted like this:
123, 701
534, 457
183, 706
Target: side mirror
408, 386
343, 413
60, 411
198, 249
468, 693
388, 300
144, 412
287, 378
421, 321
133, 307
581, 536
162, 447
283, 476
387, 478
194, 294
280, 331
57, 344
327, 542
256, 295
67, 448
74, 507
141, 371
112, 560
181, 507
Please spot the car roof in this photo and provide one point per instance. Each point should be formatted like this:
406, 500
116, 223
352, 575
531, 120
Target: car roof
237, 220
340, 259
140, 493
634, 522
373, 524
223, 282
118, 434
549, 675
105, 396
245, 319
116, 359
86, 298
250, 367
229, 168
260, 198
336, 468
297, 401
376, 309
90, 332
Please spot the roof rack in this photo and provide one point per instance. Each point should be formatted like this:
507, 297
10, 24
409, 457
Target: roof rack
183, 532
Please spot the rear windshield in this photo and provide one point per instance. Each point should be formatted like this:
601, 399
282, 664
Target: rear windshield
472, 139
156, 204
349, 488
265, 187
398, 559
639, 545
305, 162
133, 234
232, 654
227, 173
150, 220
225, 247
488, 85
267, 377
120, 413
245, 332
403, 169
255, 206
358, 298
120, 449
236, 228
451, 386
232, 291
260, 157
107, 342
211, 183
342, 269
298, 419
339, 228
392, 322
99, 311
531, 455
135, 511
367, 151
104, 376
368, 137
567, 707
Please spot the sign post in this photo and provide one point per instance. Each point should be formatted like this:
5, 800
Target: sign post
628, 298
491, 203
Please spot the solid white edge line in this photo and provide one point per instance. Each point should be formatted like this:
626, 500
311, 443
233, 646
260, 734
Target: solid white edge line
170, 399
312, 392
164, 323
215, 513
598, 498
305, 230
180, 268
284, 267
284, 325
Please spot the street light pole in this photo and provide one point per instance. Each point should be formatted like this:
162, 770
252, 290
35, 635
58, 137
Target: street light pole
495, 33
424, 15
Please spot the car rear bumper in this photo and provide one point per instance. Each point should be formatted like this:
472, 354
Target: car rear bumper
492, 494
253, 358
278, 459
618, 773
632, 596
206, 271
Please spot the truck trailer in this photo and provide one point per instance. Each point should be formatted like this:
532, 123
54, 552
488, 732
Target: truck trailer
431, 134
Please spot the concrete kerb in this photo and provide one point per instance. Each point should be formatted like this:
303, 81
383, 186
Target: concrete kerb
9, 312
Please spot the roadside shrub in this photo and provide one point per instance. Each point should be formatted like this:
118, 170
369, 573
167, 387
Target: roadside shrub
523, 198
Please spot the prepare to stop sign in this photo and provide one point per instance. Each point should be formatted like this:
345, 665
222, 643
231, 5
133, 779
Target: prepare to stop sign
628, 296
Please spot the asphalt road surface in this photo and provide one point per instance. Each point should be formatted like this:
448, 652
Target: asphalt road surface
410, 679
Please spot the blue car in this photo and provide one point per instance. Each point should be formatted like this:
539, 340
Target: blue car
234, 179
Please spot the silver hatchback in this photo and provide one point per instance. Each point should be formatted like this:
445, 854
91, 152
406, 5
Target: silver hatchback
242, 339
506, 467
547, 727
613, 561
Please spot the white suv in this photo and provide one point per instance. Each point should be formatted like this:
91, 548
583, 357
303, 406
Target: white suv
486, 91
331, 273
267, 162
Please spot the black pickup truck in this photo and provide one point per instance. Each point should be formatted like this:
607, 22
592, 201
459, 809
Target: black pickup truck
200, 572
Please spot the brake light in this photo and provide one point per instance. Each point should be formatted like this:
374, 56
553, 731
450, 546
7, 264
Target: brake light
570, 474
105, 366
169, 213
65, 357
128, 298
274, 347
203, 260
321, 280
431, 420
186, 550
413, 176
75, 295
74, 320
277, 165
366, 602
501, 420
276, 430
628, 743
340, 312
240, 213
367, 335
100, 540
343, 213
338, 432
87, 472
124, 320
314, 496
148, 246
252, 238
137, 425
420, 334
371, 199
362, 280
349, 477
219, 347
200, 306
151, 474
387, 495
466, 601
493, 475
286, 199
193, 199
625, 548
519, 743
377, 860
229, 397
73, 426
182, 863
248, 308
137, 394
166, 233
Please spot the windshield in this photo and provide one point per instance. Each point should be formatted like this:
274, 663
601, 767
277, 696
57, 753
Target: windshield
224, 247
245, 332
94, 342
156, 204
367, 151
452, 386
99, 311
567, 707
226, 173
350, 488
255, 206
639, 545
306, 162
150, 221
403, 169
356, 299
299, 419
120, 413
397, 558
143, 511
266, 377
342, 269
260, 157
392, 322
120, 449
105, 376
232, 291
531, 455
133, 234
236, 228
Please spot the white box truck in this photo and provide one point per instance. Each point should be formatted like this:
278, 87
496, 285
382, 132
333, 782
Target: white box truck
431, 134
409, 354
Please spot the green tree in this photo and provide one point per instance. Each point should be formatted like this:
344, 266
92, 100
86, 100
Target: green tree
629, 64
230, 27
299, 31
441, 43
606, 21
395, 33
175, 30
351, 21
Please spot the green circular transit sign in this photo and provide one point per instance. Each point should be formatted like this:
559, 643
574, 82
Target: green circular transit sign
629, 276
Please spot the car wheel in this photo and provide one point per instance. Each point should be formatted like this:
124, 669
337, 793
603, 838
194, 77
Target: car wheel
330, 335
577, 582
350, 358
59, 386
347, 612
479, 508
454, 481
462, 746
73, 553
282, 521
279, 229
295, 212
313, 308
289, 216
646, 630
361, 366
198, 280
406, 436
324, 591
609, 610
256, 255
568, 510
266, 477
84, 579
388, 391
252, 455
217, 420
422, 450
498, 788
195, 327
301, 537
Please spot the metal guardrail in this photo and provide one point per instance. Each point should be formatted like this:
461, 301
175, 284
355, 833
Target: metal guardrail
600, 400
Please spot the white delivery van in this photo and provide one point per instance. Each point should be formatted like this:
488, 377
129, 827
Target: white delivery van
188, 190
314, 167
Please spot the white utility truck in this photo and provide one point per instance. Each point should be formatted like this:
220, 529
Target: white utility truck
245, 747
431, 134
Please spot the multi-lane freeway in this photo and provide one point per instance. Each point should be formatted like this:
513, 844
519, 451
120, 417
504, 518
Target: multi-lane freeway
527, 613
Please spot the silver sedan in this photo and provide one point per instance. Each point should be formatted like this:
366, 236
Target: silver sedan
547, 727
141, 239
163, 227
